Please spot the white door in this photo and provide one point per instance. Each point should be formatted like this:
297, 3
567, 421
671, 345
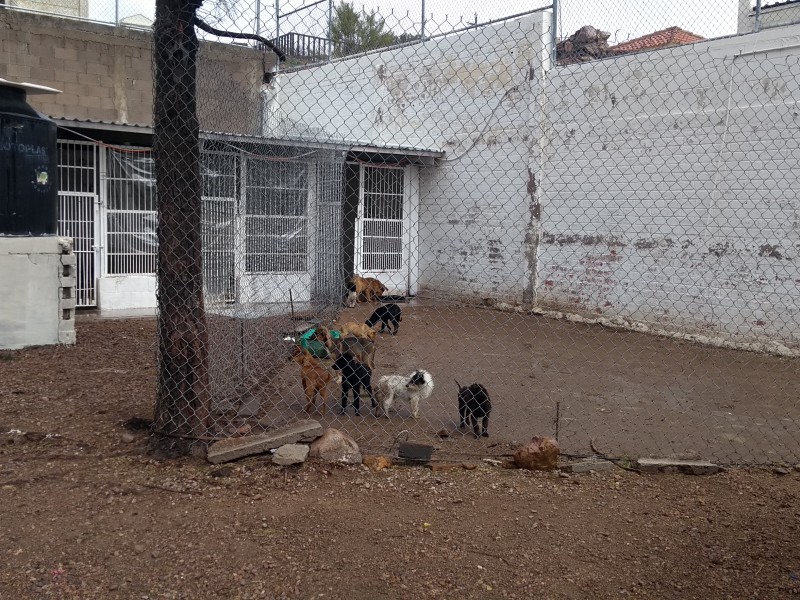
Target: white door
385, 227
78, 213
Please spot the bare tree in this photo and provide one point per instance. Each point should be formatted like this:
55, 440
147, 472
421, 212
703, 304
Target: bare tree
182, 402
183, 397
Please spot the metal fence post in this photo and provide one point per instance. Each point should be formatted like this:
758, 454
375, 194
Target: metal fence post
422, 29
277, 20
758, 16
330, 30
554, 33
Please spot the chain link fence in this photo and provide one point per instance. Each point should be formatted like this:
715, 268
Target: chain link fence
599, 226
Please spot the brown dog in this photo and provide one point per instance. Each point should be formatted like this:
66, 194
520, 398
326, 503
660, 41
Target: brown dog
315, 379
375, 289
367, 288
359, 330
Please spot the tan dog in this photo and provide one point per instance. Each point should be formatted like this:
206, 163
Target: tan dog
367, 288
375, 289
314, 377
357, 329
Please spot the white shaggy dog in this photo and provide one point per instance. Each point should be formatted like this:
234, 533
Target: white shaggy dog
412, 388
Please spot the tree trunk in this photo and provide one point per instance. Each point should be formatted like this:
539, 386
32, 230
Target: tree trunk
182, 402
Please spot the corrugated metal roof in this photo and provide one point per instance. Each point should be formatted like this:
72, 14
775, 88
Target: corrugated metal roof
309, 140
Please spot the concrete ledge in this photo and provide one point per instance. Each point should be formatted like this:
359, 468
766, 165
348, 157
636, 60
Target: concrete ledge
587, 466
674, 465
306, 430
43, 244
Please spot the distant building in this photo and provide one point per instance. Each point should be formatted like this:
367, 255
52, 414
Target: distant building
773, 14
137, 20
68, 8
589, 44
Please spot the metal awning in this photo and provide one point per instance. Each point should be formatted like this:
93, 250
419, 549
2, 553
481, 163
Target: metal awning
142, 134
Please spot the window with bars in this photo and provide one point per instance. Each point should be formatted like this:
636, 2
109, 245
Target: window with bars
276, 216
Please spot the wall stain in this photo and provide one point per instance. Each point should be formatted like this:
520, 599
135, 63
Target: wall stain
585, 240
536, 209
770, 251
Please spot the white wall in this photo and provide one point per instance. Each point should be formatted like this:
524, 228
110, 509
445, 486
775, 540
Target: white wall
671, 193
659, 187
465, 94
37, 306
126, 292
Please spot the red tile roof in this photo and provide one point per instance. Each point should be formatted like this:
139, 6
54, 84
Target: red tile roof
673, 36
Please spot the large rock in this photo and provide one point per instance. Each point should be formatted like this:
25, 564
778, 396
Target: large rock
336, 446
540, 454
290, 454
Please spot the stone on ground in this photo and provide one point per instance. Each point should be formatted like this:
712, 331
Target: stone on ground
290, 454
540, 454
336, 446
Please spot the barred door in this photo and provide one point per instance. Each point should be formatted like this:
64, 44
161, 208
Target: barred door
382, 227
78, 212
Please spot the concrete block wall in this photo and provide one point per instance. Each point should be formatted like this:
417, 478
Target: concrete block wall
38, 306
466, 94
670, 190
106, 72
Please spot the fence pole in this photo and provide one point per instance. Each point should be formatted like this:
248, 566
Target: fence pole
554, 33
277, 20
330, 30
116, 12
258, 17
422, 30
758, 16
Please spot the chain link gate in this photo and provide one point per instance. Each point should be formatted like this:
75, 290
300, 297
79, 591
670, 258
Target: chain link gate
603, 234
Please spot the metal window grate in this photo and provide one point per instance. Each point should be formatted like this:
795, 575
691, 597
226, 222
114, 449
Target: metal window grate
131, 216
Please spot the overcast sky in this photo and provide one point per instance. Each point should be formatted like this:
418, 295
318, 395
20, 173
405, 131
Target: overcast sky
624, 19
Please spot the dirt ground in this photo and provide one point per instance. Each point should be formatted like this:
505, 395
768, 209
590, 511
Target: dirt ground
633, 394
86, 512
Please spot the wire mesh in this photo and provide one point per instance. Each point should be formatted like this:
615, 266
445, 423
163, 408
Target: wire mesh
598, 226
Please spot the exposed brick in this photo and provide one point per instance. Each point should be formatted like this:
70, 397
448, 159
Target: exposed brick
66, 54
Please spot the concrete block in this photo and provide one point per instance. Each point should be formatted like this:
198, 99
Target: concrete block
37, 314
306, 430
587, 466
673, 465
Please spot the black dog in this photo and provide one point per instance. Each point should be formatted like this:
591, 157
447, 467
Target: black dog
474, 405
354, 377
388, 314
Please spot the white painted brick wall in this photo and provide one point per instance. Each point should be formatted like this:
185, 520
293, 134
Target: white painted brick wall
470, 95
666, 180
671, 194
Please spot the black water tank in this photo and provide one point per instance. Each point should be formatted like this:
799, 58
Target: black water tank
28, 165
